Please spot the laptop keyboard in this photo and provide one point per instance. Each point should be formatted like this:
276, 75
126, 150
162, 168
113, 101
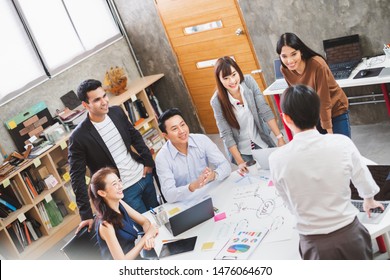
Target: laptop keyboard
341, 74
359, 206
342, 70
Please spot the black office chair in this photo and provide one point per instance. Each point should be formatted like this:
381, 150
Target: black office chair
83, 246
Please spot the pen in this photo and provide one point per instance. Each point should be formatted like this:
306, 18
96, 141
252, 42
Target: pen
171, 240
152, 211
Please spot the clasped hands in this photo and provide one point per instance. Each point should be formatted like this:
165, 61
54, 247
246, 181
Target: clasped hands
206, 176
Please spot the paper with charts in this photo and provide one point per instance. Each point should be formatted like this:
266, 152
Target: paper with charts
255, 206
241, 245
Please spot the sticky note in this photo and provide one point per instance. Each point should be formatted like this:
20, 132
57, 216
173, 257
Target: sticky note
12, 124
66, 177
220, 216
5, 183
72, 205
146, 126
133, 98
87, 180
21, 217
63, 145
173, 211
207, 246
48, 198
270, 183
37, 162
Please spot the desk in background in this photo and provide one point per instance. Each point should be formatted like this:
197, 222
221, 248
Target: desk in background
249, 206
374, 62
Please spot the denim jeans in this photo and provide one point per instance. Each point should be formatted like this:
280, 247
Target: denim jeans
142, 195
340, 125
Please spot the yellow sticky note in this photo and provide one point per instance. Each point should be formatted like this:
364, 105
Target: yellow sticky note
5, 183
87, 180
48, 198
21, 217
173, 211
37, 162
12, 124
72, 205
66, 177
207, 245
63, 145
133, 98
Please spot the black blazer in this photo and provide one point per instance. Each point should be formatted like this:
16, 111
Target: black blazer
87, 148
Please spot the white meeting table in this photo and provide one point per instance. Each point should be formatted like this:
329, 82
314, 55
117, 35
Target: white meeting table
250, 204
374, 62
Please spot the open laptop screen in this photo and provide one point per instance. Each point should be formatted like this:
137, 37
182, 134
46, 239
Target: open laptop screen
342, 49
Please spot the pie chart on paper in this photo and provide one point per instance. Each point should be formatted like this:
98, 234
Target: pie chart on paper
238, 248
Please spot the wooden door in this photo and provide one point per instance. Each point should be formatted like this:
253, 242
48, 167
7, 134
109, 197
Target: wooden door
201, 31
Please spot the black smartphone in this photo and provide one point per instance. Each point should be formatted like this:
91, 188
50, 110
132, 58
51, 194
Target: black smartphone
250, 163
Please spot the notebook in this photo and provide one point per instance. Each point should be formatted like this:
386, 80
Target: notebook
343, 54
190, 217
262, 157
280, 82
381, 175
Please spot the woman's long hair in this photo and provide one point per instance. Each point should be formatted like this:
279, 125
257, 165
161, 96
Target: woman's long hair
223, 66
105, 213
291, 40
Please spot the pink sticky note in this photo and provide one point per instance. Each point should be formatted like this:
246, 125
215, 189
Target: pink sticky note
220, 216
270, 183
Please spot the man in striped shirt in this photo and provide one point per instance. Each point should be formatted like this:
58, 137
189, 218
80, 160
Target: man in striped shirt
104, 139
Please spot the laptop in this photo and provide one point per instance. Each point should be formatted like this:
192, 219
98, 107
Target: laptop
262, 157
381, 175
385, 72
343, 54
190, 217
280, 82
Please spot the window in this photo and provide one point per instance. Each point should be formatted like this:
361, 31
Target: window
49, 36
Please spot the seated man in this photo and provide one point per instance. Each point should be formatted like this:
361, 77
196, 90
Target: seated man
312, 174
183, 163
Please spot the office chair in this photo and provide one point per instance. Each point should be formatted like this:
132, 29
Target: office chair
83, 246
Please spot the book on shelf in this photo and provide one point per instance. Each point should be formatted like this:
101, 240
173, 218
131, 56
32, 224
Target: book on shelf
20, 233
141, 108
129, 110
4, 211
53, 212
36, 226
31, 229
33, 192
9, 196
26, 233
17, 192
15, 239
44, 215
7, 204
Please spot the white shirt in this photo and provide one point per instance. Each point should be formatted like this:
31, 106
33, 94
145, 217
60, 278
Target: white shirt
130, 171
312, 173
248, 130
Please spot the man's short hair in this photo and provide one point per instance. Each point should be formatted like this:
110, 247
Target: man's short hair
167, 115
302, 104
85, 87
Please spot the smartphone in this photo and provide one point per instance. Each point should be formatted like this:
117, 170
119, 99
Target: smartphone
250, 163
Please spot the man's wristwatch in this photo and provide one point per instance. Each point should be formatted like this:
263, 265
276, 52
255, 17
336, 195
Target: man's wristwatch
279, 136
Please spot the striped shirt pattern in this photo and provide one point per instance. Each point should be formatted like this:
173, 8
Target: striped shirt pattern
130, 171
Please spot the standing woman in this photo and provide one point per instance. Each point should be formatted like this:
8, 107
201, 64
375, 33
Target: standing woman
115, 227
242, 115
302, 65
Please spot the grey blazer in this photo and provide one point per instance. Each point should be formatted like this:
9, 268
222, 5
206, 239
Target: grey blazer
259, 108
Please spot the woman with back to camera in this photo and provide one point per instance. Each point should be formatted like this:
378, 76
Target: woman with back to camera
115, 227
243, 117
302, 65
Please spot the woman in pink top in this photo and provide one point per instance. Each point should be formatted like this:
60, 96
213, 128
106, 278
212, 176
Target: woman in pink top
302, 65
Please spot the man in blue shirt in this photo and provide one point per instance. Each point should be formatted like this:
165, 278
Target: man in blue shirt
187, 162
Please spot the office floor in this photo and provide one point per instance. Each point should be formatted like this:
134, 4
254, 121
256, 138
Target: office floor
371, 140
